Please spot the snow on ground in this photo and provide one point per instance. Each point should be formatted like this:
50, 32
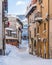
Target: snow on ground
24, 43
20, 56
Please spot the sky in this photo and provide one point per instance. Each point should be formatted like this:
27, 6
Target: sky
17, 6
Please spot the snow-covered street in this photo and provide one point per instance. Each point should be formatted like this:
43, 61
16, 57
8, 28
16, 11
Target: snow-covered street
20, 56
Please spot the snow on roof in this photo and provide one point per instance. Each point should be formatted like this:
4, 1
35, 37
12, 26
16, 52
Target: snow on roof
18, 18
8, 28
7, 37
31, 8
24, 19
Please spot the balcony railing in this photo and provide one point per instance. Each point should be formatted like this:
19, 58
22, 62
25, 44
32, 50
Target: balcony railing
38, 17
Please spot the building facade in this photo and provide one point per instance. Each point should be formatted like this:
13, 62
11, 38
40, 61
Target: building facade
19, 26
50, 28
10, 31
39, 19
31, 27
3, 19
13, 32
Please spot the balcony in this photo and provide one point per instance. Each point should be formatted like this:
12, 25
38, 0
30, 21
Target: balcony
31, 9
38, 17
44, 31
10, 29
14, 34
10, 37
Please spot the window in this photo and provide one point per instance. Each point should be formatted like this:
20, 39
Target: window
30, 20
37, 29
34, 43
30, 34
9, 33
38, 14
15, 35
44, 26
35, 32
40, 1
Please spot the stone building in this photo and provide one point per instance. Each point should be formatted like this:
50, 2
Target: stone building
39, 15
19, 26
3, 19
31, 9
13, 31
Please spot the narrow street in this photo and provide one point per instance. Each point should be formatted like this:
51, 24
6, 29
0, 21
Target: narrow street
21, 56
25, 32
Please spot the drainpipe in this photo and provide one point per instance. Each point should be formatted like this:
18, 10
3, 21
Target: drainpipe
28, 30
48, 28
3, 22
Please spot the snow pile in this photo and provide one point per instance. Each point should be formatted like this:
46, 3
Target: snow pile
9, 49
24, 43
21, 57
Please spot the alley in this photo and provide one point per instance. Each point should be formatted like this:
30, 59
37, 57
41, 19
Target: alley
25, 32
21, 56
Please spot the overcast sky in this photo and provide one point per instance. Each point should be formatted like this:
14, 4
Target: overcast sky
17, 6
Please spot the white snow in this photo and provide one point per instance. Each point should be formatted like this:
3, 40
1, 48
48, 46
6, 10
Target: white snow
20, 56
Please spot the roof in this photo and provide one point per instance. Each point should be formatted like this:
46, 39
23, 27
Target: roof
32, 7
19, 21
22, 17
